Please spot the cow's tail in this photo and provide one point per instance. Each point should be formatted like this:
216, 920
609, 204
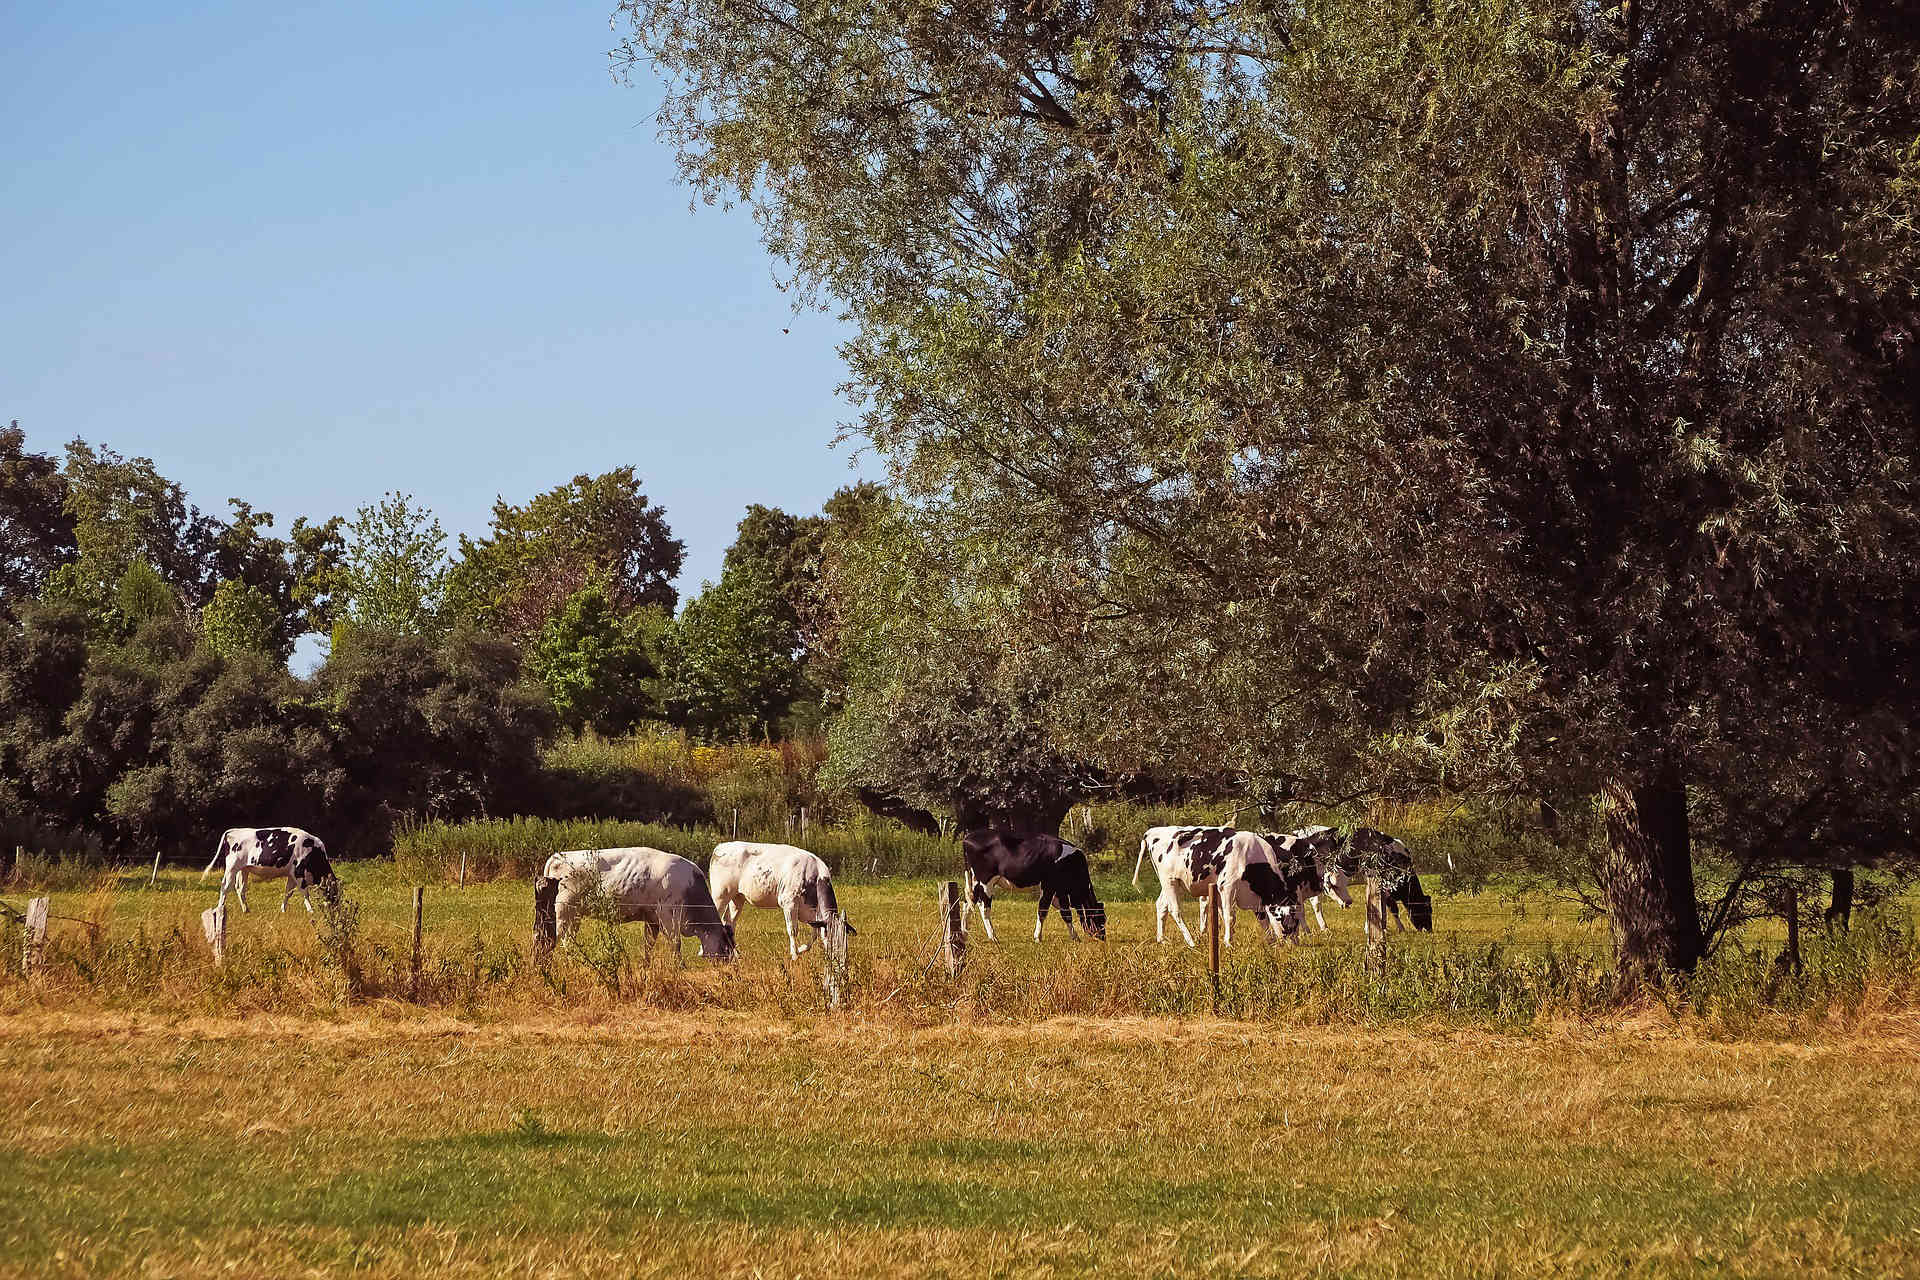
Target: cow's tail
1137, 859
218, 850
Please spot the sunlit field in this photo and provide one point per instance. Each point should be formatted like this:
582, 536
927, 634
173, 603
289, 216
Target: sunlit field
656, 1144
1064, 1108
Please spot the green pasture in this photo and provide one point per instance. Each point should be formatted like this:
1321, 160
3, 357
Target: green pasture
664, 1145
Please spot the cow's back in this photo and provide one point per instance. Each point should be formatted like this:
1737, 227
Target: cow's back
762, 872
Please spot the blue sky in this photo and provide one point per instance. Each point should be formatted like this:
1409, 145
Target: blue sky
308, 253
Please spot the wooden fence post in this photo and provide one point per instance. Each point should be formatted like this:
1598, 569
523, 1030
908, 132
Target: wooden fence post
463, 868
546, 931
834, 942
213, 923
36, 935
803, 824
736, 824
953, 924
413, 971
155, 877
1213, 943
1376, 928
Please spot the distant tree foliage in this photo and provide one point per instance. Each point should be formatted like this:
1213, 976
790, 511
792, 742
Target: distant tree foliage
600, 666
595, 530
36, 533
124, 511
394, 572
740, 658
448, 729
241, 619
1361, 397
932, 709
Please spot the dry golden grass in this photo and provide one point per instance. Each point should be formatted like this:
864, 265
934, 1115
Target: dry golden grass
652, 1143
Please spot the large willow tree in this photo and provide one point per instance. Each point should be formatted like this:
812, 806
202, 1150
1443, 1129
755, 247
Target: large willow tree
1503, 394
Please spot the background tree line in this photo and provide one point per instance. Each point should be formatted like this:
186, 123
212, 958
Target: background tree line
145, 699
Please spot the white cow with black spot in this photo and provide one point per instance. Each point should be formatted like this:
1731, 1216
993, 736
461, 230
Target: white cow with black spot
785, 876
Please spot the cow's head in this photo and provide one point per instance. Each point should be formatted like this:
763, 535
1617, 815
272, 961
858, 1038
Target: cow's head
1333, 879
714, 936
1093, 914
1420, 910
309, 866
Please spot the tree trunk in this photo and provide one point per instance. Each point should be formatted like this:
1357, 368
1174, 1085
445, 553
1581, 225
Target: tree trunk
1024, 816
910, 816
1840, 910
1648, 876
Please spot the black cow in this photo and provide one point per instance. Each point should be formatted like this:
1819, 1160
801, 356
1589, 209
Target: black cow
1376, 853
1010, 860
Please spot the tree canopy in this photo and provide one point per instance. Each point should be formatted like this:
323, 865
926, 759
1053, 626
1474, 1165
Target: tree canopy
1500, 396
592, 531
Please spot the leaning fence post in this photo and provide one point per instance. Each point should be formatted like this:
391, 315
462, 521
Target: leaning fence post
413, 971
546, 931
1376, 928
1213, 943
953, 924
155, 877
213, 923
835, 944
36, 936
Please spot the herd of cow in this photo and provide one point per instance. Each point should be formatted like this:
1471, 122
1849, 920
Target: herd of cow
1278, 877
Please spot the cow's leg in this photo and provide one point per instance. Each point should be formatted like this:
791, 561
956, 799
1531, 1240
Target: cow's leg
1171, 906
1066, 913
1265, 916
287, 897
985, 903
787, 910
1393, 909
306, 896
240, 888
226, 880
1226, 891
1318, 919
1040, 920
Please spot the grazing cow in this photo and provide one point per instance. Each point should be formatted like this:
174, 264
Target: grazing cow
1008, 860
1193, 859
664, 891
1377, 853
1327, 850
269, 853
773, 875
1266, 891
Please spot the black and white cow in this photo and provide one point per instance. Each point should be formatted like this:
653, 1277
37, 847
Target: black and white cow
998, 859
1376, 853
662, 890
1313, 861
1197, 860
1264, 891
270, 853
773, 875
